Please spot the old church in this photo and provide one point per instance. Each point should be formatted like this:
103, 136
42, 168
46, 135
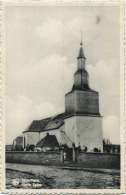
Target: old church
81, 124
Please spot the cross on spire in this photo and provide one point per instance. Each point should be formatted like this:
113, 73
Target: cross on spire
81, 43
81, 52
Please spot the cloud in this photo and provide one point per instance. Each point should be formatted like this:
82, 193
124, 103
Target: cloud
22, 111
57, 31
18, 116
45, 110
111, 129
51, 32
104, 78
54, 31
47, 80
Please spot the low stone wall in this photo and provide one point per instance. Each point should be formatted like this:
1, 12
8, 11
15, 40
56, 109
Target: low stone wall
99, 160
85, 160
38, 158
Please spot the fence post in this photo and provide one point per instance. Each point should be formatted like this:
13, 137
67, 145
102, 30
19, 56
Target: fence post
74, 155
62, 156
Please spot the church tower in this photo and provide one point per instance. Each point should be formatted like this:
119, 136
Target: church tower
83, 123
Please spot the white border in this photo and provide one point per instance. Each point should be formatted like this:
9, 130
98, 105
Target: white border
65, 3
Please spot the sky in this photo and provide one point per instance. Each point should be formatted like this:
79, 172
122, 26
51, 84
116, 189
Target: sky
42, 44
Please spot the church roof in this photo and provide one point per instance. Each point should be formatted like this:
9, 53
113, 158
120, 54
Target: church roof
55, 122
37, 125
48, 141
81, 53
46, 124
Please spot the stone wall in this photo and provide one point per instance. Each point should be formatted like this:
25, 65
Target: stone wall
99, 160
38, 158
85, 160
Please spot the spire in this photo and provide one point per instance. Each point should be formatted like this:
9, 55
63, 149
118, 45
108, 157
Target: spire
81, 75
81, 52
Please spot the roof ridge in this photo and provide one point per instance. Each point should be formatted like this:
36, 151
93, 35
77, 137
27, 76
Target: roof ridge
57, 115
45, 125
42, 119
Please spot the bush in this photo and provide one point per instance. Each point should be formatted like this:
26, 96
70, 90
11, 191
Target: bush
18, 148
95, 150
30, 147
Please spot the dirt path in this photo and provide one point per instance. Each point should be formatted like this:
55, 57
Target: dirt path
61, 178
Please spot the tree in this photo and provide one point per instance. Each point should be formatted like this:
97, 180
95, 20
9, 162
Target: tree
106, 142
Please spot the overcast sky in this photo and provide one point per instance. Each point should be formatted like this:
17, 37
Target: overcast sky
42, 44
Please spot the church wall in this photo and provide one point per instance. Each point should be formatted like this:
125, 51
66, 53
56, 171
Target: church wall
31, 138
87, 102
89, 132
57, 132
70, 102
70, 127
82, 102
85, 130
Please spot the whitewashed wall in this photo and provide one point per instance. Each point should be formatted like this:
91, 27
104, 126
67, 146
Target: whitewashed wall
85, 130
31, 138
57, 132
70, 128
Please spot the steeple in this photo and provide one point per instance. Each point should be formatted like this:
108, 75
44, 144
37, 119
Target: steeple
81, 100
81, 52
81, 75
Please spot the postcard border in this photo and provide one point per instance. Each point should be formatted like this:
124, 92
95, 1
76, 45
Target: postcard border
65, 191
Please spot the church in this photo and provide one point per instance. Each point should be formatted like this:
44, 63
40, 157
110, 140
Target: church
80, 124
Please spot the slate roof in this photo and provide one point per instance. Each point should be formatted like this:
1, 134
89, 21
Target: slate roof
55, 122
81, 54
46, 124
48, 141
